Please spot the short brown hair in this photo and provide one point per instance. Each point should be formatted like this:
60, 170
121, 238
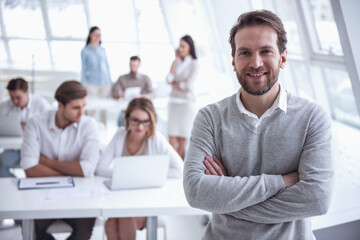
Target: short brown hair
146, 105
259, 17
70, 90
17, 84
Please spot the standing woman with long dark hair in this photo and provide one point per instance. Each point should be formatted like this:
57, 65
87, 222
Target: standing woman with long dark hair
95, 72
182, 110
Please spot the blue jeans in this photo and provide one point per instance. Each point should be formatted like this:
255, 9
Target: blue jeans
8, 159
121, 119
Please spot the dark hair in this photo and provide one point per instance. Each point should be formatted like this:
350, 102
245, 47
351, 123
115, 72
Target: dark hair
259, 17
70, 90
17, 83
135, 58
92, 29
146, 105
190, 41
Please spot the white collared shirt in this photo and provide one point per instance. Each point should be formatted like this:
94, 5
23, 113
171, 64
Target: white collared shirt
36, 105
77, 142
279, 104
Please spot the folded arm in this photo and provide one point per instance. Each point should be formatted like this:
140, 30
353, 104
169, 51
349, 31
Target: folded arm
220, 194
311, 195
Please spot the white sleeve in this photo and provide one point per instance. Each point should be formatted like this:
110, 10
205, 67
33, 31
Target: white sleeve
103, 167
169, 78
90, 148
176, 163
30, 149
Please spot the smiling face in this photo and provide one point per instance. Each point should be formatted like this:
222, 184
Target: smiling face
257, 60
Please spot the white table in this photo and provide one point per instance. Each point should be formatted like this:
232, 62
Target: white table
10, 142
91, 198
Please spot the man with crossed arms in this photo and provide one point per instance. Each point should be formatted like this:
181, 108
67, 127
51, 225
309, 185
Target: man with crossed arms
62, 143
259, 160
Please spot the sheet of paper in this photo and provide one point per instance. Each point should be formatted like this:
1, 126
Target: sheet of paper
77, 193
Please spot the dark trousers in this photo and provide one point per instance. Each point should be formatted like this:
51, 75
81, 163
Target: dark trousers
82, 228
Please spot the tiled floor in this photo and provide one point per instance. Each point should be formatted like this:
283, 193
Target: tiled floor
177, 228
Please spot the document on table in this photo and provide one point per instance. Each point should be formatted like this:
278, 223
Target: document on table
46, 182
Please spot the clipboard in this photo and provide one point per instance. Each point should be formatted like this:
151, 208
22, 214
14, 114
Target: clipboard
46, 182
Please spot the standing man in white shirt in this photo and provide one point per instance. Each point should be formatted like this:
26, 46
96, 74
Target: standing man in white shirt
23, 105
62, 143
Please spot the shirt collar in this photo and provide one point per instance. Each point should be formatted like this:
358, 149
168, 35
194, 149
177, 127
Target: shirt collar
280, 102
52, 122
29, 104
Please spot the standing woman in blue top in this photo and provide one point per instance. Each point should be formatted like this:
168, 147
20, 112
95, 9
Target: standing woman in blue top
95, 73
182, 107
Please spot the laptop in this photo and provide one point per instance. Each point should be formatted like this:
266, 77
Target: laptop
133, 172
132, 92
10, 126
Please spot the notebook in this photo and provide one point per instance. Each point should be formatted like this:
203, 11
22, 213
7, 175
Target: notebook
145, 171
10, 126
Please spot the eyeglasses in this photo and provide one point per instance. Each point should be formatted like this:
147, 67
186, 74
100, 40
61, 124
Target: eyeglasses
137, 122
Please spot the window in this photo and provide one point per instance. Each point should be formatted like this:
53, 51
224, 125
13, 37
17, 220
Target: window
67, 19
30, 53
115, 18
285, 9
302, 80
67, 54
327, 40
2, 52
151, 25
341, 97
23, 19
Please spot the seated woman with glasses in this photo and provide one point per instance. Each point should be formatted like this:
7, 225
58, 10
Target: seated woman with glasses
138, 137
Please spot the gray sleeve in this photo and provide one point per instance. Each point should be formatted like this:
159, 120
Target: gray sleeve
116, 88
220, 194
311, 195
148, 89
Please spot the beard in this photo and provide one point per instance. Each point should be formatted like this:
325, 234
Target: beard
271, 79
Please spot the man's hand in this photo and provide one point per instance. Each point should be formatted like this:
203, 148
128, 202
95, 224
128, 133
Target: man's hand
23, 124
291, 179
175, 85
117, 97
214, 166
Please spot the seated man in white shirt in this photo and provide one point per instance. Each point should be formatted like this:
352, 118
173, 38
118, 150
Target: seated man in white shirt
23, 105
63, 142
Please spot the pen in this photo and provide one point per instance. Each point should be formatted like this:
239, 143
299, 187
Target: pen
41, 183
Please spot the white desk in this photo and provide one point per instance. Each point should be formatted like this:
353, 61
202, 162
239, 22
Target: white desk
77, 203
10, 142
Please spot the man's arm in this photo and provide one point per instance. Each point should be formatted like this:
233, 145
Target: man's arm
116, 90
310, 195
220, 194
63, 168
41, 171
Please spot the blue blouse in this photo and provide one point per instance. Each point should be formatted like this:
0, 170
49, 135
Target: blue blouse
95, 67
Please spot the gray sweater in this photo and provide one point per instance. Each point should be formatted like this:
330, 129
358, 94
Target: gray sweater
252, 202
